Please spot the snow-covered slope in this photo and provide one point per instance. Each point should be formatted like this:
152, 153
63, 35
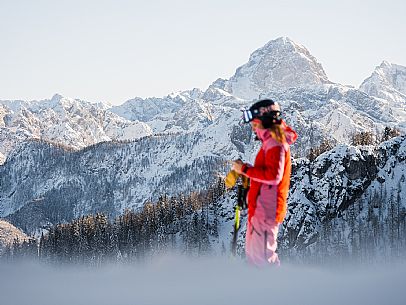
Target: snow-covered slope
9, 234
149, 108
346, 184
65, 121
178, 112
39, 179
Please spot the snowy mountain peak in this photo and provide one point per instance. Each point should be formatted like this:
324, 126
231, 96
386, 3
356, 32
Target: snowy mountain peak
281, 43
388, 82
56, 97
59, 100
279, 65
393, 75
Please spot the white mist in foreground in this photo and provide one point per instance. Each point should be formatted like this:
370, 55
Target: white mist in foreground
183, 281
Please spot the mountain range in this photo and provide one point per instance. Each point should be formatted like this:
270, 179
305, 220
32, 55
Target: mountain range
64, 157
282, 70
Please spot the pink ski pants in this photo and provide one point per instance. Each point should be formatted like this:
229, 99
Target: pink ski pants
260, 242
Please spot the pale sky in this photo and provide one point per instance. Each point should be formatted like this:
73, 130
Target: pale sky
115, 50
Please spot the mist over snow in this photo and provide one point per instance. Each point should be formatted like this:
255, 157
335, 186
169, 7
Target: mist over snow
178, 280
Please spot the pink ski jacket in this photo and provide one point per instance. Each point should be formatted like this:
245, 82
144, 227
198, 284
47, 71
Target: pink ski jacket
270, 176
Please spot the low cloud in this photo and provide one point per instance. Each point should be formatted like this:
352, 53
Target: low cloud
179, 280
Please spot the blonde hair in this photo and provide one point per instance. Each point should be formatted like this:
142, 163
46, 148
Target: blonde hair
278, 133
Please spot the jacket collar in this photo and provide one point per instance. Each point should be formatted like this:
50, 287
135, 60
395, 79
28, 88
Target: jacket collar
263, 134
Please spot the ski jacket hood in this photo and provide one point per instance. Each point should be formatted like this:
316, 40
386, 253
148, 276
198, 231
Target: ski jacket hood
290, 134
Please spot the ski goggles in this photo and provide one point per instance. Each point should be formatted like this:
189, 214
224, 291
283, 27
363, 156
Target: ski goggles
249, 115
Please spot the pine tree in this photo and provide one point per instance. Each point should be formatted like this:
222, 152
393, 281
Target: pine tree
389, 133
363, 138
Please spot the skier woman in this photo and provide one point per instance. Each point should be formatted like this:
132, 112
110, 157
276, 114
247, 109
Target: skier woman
269, 181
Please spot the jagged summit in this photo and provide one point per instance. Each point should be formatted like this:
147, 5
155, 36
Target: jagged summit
387, 76
159, 111
388, 83
278, 65
56, 97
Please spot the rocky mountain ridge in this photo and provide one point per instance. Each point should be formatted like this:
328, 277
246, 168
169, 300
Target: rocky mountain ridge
65, 121
282, 70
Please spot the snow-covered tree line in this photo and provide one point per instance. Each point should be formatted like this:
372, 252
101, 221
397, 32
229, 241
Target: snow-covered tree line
44, 184
356, 139
373, 229
179, 223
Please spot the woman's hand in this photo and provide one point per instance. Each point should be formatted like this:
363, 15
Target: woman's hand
237, 166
